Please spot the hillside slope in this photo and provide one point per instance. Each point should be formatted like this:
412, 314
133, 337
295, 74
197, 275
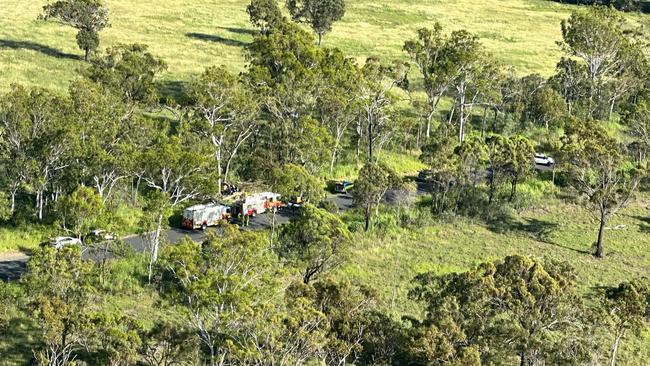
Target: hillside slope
192, 34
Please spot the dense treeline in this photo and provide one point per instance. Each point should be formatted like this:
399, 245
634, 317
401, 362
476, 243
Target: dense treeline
623, 5
297, 111
232, 301
602, 76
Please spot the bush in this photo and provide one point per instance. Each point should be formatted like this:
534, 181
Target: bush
329, 206
534, 192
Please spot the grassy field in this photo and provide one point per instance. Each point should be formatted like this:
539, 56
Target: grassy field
556, 229
192, 34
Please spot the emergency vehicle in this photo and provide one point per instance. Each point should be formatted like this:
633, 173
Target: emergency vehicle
257, 203
202, 216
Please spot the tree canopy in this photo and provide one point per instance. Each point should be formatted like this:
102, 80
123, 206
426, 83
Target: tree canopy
89, 17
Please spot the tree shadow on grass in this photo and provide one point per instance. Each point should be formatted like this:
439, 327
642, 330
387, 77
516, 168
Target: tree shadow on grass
172, 89
644, 225
216, 39
19, 336
539, 230
33, 46
251, 32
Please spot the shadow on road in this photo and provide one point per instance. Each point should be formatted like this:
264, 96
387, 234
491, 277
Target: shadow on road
11, 270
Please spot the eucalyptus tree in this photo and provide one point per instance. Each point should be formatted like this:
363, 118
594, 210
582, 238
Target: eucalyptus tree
319, 14
59, 285
473, 161
50, 146
223, 286
89, 17
441, 159
513, 309
627, 306
16, 136
375, 179
546, 107
612, 57
81, 211
291, 180
38, 144
572, 82
426, 53
284, 71
105, 137
346, 311
376, 99
338, 106
129, 72
598, 171
472, 74
168, 343
265, 14
175, 170
499, 152
520, 92
315, 242
227, 115
521, 162
638, 123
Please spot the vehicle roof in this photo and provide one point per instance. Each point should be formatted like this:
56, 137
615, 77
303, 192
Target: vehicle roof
61, 238
203, 207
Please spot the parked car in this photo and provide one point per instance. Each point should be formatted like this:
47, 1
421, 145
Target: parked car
342, 187
229, 189
295, 202
542, 159
63, 241
202, 216
98, 236
424, 175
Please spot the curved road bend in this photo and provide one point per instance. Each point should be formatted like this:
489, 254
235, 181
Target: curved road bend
13, 266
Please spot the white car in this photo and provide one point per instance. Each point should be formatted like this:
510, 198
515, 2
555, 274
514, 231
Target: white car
542, 159
62, 241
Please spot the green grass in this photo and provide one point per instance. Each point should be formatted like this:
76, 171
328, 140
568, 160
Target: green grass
191, 35
556, 229
390, 257
27, 236
23, 237
404, 164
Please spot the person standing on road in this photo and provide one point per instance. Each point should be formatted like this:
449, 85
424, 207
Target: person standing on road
246, 219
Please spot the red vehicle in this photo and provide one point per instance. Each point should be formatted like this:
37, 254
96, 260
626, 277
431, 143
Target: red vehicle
202, 216
257, 204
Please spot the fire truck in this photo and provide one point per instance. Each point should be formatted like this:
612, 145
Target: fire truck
257, 203
202, 216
